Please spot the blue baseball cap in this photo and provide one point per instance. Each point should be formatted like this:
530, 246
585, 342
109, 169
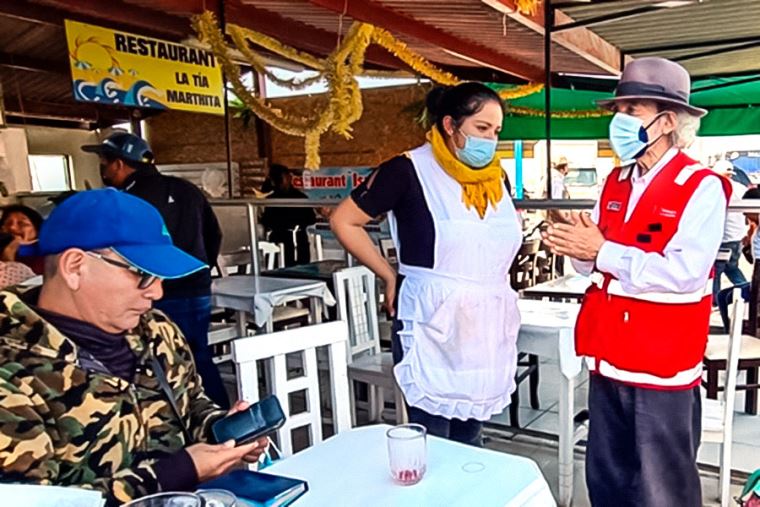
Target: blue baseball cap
109, 218
123, 145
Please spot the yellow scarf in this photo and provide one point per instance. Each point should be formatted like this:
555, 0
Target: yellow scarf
479, 186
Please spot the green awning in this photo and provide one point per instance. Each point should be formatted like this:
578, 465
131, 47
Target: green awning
734, 109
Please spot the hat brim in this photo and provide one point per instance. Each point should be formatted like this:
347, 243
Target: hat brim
98, 149
608, 103
163, 261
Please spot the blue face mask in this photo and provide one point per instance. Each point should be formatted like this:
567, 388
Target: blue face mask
477, 152
629, 137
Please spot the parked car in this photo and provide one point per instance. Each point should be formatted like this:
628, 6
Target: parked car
582, 183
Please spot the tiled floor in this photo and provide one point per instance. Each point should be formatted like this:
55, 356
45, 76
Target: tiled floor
746, 448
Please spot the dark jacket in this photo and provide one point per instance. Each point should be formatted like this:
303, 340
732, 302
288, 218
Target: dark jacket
286, 219
190, 221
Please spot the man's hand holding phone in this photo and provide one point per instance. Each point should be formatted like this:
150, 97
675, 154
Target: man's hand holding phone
214, 460
263, 442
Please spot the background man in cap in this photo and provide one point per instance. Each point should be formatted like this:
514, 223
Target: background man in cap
126, 162
559, 191
80, 359
649, 247
734, 232
559, 171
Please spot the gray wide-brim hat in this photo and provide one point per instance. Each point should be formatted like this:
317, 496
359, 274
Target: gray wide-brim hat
658, 79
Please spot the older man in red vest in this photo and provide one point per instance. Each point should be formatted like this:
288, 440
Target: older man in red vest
649, 247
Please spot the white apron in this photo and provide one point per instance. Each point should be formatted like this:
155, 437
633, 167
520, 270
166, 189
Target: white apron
460, 319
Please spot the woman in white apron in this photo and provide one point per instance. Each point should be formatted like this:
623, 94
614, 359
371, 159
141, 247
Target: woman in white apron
456, 233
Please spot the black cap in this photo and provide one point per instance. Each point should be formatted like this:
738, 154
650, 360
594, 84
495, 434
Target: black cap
123, 145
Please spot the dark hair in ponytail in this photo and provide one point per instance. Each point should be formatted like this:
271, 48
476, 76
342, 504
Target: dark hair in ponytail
459, 102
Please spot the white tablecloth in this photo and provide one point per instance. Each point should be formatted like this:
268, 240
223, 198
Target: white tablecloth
258, 295
49, 496
547, 330
567, 286
352, 469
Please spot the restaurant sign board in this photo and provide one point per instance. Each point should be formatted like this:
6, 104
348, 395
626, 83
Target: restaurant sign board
331, 182
121, 68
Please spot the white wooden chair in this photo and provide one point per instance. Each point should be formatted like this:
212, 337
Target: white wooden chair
718, 415
275, 347
357, 304
272, 255
316, 251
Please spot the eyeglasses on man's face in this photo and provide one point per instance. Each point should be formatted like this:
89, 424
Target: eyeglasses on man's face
146, 279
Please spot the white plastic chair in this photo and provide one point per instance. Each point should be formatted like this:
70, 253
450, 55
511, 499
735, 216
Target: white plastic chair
718, 415
357, 304
275, 347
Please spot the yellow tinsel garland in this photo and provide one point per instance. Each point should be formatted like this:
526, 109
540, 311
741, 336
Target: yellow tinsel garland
530, 111
520, 91
343, 104
384, 39
528, 7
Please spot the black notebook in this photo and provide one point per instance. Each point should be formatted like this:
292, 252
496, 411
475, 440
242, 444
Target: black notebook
259, 489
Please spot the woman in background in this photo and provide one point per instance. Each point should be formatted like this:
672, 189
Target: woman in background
23, 224
287, 226
456, 232
11, 272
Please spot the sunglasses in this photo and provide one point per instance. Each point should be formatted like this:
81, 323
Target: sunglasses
146, 279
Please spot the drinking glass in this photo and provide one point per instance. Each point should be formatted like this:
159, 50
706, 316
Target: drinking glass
407, 453
167, 499
217, 498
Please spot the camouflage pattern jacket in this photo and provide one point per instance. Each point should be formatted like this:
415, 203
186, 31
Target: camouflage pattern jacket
63, 425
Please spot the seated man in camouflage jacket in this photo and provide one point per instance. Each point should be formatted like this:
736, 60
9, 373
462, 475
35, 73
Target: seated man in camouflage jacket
81, 403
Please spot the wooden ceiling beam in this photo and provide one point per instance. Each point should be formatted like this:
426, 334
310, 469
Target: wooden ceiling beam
288, 31
25, 12
392, 21
299, 35
53, 110
118, 14
580, 41
25, 63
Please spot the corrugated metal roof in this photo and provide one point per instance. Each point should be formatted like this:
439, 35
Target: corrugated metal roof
698, 22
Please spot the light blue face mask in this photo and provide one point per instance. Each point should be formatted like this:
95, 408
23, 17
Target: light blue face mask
477, 152
629, 137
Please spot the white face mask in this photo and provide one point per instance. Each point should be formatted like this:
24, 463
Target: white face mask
629, 137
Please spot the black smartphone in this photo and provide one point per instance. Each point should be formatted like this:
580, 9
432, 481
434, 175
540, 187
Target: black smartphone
243, 427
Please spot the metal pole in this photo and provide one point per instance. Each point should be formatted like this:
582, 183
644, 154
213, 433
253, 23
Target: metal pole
518, 169
227, 139
251, 216
135, 123
548, 22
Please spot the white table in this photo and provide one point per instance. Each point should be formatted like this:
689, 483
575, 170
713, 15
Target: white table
351, 468
565, 287
258, 295
547, 330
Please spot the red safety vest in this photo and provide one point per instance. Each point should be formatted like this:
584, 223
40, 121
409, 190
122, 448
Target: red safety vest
656, 333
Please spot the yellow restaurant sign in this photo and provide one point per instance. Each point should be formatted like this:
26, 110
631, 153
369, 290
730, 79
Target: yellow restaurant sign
120, 68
